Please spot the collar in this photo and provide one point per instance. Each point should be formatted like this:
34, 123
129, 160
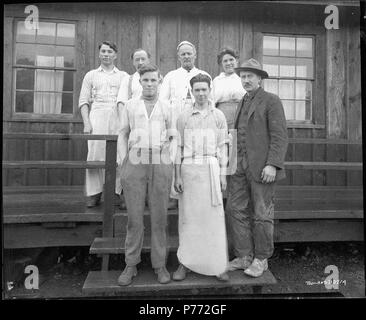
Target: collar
222, 75
114, 70
141, 99
210, 108
185, 70
251, 95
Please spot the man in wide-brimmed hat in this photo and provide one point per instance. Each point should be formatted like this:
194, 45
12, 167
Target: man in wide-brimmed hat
261, 143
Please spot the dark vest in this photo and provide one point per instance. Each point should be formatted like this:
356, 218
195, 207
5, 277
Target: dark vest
242, 125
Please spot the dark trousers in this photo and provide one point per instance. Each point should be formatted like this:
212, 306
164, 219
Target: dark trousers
139, 181
250, 208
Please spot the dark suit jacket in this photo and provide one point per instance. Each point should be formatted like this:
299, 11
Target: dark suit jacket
266, 134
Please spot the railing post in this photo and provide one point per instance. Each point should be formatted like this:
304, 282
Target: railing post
110, 182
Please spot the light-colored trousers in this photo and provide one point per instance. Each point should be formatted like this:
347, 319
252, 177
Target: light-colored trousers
154, 181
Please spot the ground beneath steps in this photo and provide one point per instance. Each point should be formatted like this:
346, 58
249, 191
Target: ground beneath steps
298, 268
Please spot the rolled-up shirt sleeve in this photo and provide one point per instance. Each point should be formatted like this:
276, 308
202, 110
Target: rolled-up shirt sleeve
164, 93
222, 141
180, 123
171, 122
123, 90
222, 136
213, 91
123, 134
86, 90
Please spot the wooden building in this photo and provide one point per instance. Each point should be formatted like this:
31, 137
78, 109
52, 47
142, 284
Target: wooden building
316, 72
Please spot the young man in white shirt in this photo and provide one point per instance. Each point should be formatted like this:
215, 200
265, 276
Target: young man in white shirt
147, 132
98, 107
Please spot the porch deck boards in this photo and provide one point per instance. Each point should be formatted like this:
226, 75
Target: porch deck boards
104, 283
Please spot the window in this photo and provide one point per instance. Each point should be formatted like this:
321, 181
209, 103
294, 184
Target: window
44, 68
289, 61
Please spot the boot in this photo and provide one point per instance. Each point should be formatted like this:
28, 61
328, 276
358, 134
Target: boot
163, 275
257, 268
126, 276
122, 202
223, 277
94, 200
180, 273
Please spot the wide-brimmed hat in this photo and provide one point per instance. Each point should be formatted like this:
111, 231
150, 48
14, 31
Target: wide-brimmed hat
253, 66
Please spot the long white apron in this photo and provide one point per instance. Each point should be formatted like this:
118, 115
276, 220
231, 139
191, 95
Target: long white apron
202, 231
104, 120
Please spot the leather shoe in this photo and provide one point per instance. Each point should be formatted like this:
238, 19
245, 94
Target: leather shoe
239, 263
93, 200
180, 273
122, 202
257, 268
126, 276
163, 275
223, 277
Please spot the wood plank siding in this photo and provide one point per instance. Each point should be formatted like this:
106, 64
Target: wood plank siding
159, 27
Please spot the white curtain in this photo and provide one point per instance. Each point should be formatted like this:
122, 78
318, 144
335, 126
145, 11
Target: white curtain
48, 80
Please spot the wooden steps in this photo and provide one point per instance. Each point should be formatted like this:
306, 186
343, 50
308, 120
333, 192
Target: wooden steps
116, 245
285, 230
104, 283
67, 203
38, 216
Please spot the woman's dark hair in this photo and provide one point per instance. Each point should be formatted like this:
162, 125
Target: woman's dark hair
110, 44
200, 78
229, 51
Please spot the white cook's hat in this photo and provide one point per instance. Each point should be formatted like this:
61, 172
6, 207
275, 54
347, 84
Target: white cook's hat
187, 43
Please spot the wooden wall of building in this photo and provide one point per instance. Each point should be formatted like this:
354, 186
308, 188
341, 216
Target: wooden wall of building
159, 27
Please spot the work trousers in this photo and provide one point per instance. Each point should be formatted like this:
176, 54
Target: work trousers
250, 208
154, 181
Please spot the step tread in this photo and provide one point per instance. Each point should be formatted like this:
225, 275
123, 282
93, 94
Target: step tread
105, 282
116, 245
95, 215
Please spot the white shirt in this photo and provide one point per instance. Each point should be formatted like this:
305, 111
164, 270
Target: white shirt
176, 85
100, 86
145, 131
135, 86
227, 88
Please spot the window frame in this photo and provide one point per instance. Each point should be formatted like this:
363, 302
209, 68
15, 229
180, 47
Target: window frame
319, 109
68, 117
312, 79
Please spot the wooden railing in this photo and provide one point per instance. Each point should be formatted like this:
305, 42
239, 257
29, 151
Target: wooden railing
109, 164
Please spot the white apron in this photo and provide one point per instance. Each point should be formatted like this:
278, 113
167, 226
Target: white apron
202, 231
104, 120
